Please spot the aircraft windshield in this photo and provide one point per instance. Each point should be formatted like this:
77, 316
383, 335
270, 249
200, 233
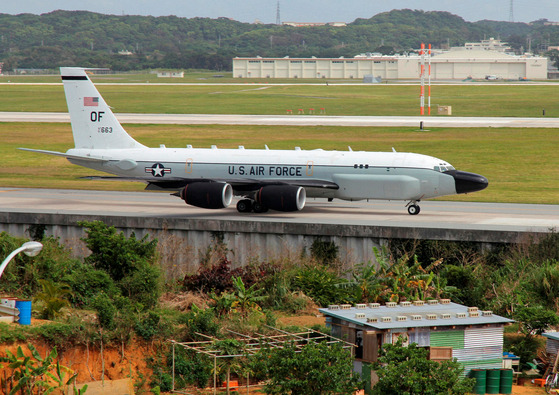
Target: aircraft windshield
442, 168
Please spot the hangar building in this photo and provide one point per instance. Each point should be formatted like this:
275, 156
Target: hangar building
471, 61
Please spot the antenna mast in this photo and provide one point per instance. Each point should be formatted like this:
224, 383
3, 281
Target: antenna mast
511, 14
278, 19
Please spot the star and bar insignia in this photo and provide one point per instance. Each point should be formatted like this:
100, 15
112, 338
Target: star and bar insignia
158, 170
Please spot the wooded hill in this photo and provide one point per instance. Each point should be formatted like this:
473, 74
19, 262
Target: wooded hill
70, 38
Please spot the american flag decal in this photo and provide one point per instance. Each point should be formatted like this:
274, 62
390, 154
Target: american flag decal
91, 101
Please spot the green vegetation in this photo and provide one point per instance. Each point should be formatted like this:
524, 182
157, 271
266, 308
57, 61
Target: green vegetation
113, 297
36, 375
317, 368
93, 40
407, 370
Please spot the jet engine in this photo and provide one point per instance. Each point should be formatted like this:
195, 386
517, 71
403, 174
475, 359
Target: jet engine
211, 195
282, 197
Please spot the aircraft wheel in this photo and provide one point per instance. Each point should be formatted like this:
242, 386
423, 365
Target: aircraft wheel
259, 208
244, 206
413, 209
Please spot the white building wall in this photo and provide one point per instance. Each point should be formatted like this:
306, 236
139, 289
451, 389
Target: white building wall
442, 67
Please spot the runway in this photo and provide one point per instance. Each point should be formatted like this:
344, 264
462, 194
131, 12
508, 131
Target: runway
436, 215
299, 120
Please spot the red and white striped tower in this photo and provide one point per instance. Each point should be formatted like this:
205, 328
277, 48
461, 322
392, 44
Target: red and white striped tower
429, 83
422, 77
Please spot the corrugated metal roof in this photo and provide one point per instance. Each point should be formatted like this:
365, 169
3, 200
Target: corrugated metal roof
439, 315
551, 335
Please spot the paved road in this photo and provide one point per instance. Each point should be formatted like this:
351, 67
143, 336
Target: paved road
299, 120
434, 214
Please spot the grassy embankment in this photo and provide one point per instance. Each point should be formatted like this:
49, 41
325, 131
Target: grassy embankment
521, 164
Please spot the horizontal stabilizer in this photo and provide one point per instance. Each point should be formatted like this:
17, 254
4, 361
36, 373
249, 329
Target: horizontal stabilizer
65, 155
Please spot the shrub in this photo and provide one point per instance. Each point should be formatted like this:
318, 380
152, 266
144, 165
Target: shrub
323, 286
216, 278
143, 286
86, 282
113, 252
106, 311
200, 321
190, 368
325, 252
148, 325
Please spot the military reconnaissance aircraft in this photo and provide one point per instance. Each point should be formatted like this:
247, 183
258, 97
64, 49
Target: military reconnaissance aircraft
264, 179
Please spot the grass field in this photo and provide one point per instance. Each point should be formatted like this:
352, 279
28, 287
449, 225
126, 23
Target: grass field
382, 99
521, 164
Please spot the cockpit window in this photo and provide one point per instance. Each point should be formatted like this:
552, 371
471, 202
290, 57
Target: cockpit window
442, 168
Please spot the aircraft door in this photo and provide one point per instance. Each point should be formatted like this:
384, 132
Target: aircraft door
310, 168
188, 166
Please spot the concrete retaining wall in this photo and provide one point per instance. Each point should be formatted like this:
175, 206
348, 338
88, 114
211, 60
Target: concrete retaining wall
182, 242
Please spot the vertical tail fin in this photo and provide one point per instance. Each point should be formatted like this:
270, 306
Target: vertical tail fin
94, 125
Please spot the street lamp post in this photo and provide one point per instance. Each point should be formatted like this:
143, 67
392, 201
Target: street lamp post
31, 248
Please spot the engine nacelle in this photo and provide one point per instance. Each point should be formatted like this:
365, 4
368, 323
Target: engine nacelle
211, 195
282, 197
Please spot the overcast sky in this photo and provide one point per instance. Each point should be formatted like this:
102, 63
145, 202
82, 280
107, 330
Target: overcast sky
294, 10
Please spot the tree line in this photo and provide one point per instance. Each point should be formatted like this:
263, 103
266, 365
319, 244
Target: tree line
70, 38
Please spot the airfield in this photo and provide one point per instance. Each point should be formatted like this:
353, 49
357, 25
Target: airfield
299, 120
356, 227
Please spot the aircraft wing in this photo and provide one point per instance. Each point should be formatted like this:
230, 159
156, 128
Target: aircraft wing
65, 155
241, 185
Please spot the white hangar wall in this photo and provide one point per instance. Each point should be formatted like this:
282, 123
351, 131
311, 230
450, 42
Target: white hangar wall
448, 65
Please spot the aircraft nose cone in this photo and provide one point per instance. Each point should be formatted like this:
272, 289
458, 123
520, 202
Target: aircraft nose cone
468, 182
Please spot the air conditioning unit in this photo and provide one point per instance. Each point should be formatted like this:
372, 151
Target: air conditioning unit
419, 302
460, 315
433, 301
401, 318
405, 304
431, 316
391, 304
361, 306
416, 317
444, 301
471, 309
374, 305
386, 319
474, 314
487, 313
334, 307
372, 319
445, 316
345, 306
359, 315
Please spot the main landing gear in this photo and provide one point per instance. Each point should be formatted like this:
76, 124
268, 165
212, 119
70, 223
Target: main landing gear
247, 206
413, 207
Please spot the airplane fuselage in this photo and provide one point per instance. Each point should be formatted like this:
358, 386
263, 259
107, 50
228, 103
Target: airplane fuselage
359, 175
